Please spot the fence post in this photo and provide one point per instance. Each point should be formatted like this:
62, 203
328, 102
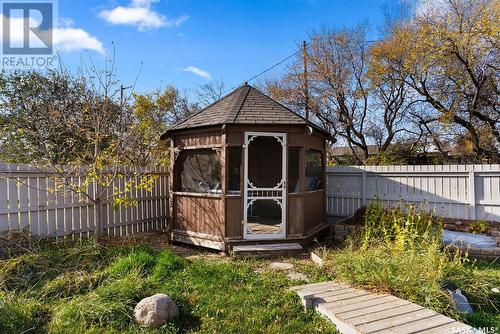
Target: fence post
98, 207
472, 194
363, 188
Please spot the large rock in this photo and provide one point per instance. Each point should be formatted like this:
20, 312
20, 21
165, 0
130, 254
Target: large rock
156, 310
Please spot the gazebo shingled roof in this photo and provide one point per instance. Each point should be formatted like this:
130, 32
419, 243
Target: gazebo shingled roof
244, 105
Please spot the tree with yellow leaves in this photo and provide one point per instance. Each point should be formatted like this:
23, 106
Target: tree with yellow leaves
449, 56
86, 131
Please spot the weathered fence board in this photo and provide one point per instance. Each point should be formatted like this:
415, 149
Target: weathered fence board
453, 191
28, 201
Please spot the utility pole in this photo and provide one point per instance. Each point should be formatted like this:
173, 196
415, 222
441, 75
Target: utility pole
306, 79
122, 90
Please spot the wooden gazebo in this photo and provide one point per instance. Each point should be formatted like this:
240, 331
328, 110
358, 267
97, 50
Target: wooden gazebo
247, 171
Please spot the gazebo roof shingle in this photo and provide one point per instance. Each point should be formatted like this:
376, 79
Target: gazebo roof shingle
244, 105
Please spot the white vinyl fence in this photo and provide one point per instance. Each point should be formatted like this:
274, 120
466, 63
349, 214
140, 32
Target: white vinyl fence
28, 201
453, 191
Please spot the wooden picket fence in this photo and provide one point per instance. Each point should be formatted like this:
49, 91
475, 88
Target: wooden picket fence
28, 201
453, 191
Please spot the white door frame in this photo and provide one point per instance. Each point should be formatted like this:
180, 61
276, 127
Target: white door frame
252, 193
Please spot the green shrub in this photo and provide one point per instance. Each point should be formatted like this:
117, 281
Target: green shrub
400, 229
89, 310
479, 226
127, 289
139, 260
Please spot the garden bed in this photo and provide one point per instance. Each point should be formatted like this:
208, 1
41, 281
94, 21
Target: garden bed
349, 226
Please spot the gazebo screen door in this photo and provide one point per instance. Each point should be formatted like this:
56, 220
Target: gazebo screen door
264, 215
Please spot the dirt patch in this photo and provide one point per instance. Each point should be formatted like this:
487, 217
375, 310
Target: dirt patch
357, 219
159, 241
471, 226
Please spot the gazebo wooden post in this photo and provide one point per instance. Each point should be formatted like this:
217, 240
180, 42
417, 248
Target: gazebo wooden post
223, 178
171, 202
302, 182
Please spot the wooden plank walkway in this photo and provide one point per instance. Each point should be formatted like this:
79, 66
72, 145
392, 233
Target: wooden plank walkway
356, 311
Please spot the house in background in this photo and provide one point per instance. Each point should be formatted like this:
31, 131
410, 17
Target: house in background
403, 152
247, 171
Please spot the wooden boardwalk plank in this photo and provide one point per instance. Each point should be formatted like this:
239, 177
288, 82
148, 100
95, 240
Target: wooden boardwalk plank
396, 321
381, 315
378, 305
451, 328
336, 292
324, 288
328, 287
313, 286
356, 311
418, 326
331, 304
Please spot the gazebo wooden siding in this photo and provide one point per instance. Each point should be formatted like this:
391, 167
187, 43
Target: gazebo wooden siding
197, 215
215, 219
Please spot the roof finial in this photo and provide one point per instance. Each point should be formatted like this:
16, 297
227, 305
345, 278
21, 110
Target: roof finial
246, 83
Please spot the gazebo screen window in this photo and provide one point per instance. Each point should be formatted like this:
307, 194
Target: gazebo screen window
199, 171
265, 162
314, 170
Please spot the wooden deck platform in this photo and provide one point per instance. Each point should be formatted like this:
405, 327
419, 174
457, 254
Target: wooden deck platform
356, 311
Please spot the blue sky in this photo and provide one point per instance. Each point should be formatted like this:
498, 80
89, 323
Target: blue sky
188, 43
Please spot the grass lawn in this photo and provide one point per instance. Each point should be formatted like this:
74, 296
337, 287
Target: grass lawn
90, 289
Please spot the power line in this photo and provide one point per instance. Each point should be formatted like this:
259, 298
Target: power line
265, 71
279, 63
275, 65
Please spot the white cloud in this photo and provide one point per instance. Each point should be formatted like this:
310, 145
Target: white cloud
140, 15
64, 22
142, 3
74, 39
197, 71
65, 37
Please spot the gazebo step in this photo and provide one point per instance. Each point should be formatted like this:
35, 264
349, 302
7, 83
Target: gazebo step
267, 250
